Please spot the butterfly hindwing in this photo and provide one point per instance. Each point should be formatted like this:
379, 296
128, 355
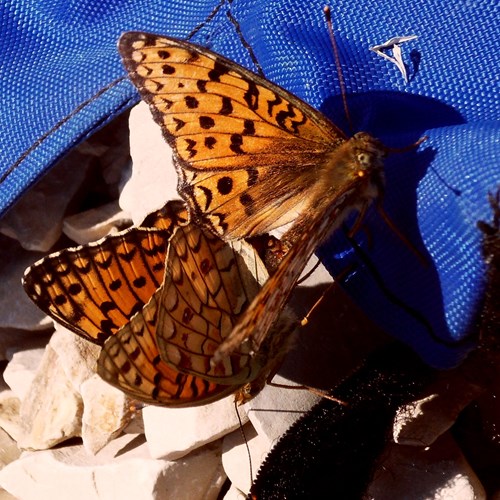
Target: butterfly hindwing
94, 289
208, 284
234, 134
163, 355
130, 361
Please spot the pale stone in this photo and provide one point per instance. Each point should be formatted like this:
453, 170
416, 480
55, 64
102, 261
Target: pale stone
4, 495
16, 309
232, 493
9, 414
235, 456
437, 472
9, 428
96, 223
51, 411
275, 409
106, 412
77, 356
36, 219
173, 432
8, 453
154, 179
21, 370
123, 469
422, 421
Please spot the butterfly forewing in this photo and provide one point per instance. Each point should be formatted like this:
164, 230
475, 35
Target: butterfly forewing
234, 134
95, 288
256, 322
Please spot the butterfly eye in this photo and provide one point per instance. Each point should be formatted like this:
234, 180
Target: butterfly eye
364, 159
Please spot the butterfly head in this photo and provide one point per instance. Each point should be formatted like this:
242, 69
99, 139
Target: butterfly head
356, 169
368, 158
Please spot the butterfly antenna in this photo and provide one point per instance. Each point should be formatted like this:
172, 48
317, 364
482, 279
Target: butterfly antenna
244, 439
333, 41
305, 319
309, 273
312, 390
392, 226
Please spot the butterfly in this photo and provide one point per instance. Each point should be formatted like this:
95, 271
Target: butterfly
207, 286
158, 323
251, 157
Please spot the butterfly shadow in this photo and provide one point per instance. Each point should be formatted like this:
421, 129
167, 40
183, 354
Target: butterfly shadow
399, 291
391, 116
335, 340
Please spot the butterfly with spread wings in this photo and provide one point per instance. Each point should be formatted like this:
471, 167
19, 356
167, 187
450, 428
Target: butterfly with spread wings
251, 157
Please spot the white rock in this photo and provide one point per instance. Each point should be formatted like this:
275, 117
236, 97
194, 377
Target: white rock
106, 412
422, 421
77, 356
21, 370
121, 470
234, 493
8, 449
154, 180
275, 409
16, 309
95, 223
51, 410
173, 432
9, 415
235, 456
437, 472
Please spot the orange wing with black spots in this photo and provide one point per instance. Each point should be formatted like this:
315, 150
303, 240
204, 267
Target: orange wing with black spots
95, 289
250, 155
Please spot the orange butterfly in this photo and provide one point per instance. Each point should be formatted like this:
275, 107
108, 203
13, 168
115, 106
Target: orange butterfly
251, 157
207, 286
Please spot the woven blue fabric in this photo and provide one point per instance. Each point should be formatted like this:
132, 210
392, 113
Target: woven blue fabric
62, 79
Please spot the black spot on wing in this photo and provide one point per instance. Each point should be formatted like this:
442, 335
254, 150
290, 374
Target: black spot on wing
253, 176
225, 185
248, 202
191, 102
248, 127
206, 122
210, 142
218, 71
227, 106
167, 69
236, 142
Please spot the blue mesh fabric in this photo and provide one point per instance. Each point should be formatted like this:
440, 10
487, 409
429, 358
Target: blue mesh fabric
62, 79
